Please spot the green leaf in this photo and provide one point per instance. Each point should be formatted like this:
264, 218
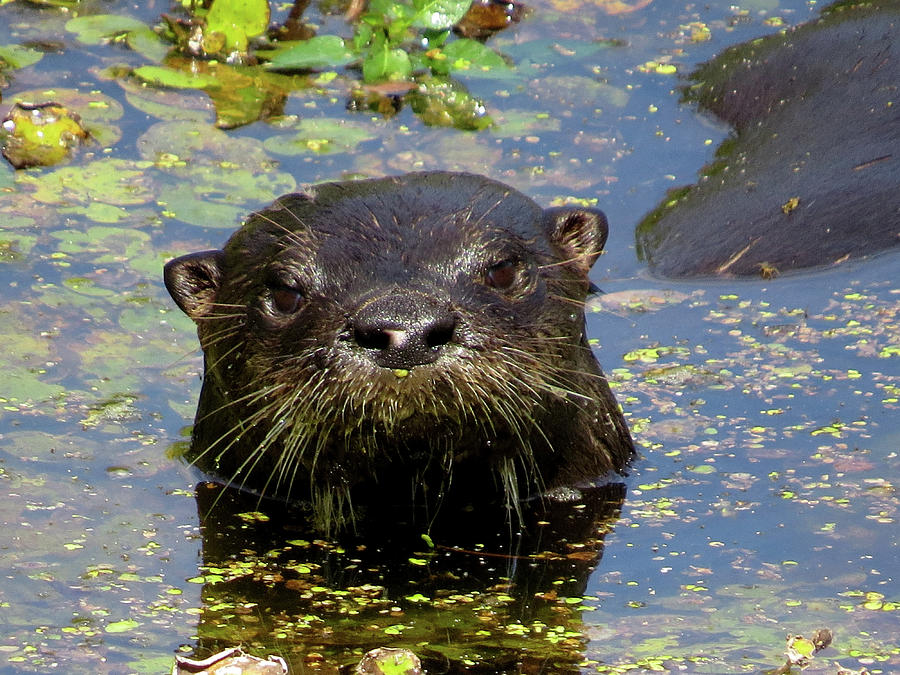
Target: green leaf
16, 247
16, 56
240, 99
192, 145
111, 181
439, 14
41, 136
391, 16
97, 111
702, 469
473, 57
122, 626
240, 95
323, 135
100, 28
386, 64
148, 44
101, 213
102, 244
164, 77
238, 20
22, 384
321, 51
443, 102
390, 661
211, 196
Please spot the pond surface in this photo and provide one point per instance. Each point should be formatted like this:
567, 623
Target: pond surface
765, 499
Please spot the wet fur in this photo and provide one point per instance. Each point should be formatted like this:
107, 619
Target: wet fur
292, 408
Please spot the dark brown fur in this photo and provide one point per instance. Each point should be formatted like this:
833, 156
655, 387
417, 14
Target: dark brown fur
424, 331
811, 174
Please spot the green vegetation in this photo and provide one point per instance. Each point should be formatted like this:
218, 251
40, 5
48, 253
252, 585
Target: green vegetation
400, 51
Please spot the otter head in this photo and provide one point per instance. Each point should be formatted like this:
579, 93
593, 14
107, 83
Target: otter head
428, 327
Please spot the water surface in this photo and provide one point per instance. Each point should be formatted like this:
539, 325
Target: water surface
764, 501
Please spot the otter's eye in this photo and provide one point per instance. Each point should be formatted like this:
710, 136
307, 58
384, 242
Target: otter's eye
502, 275
286, 300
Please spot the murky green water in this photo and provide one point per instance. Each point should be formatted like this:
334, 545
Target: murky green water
764, 502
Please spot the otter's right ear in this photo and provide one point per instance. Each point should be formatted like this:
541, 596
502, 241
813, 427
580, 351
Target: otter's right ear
193, 280
579, 233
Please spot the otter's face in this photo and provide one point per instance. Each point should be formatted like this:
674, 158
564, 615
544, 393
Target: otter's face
423, 319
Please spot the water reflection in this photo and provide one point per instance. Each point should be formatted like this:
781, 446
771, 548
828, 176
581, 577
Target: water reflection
474, 590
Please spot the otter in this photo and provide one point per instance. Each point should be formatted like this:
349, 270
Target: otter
422, 334
810, 175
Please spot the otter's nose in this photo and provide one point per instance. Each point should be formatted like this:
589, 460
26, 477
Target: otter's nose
402, 331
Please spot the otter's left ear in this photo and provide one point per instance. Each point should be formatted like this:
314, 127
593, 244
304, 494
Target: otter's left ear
193, 281
579, 233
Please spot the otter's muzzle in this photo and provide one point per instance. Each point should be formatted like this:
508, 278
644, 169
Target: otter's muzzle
403, 331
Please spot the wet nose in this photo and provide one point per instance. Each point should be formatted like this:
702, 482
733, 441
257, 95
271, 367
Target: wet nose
403, 331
